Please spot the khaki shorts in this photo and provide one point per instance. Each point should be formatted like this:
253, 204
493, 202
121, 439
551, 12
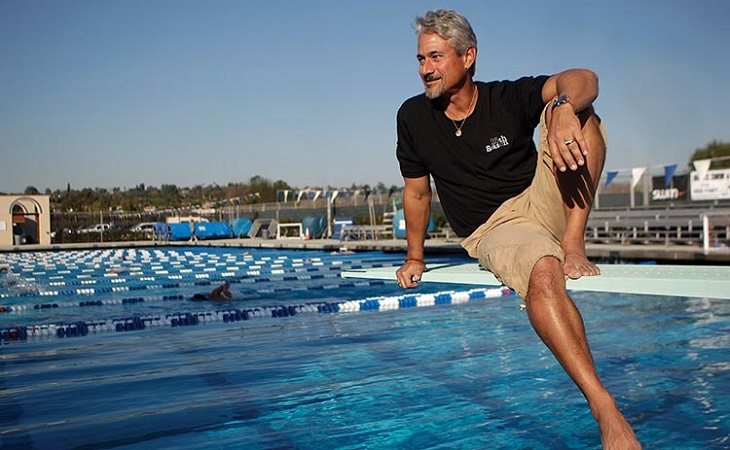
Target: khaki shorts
525, 228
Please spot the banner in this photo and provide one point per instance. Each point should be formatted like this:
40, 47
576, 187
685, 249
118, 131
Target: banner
679, 189
636, 174
610, 176
668, 174
702, 166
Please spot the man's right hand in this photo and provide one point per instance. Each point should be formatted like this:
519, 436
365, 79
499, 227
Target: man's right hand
410, 273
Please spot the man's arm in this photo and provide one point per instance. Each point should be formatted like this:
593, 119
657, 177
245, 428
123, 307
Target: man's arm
417, 211
567, 144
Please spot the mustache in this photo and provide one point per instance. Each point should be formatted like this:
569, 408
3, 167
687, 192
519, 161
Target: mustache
432, 77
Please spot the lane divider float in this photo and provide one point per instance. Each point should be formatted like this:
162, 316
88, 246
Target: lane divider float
84, 328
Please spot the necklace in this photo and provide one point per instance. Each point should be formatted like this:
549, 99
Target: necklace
471, 105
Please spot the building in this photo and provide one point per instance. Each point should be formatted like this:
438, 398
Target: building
25, 219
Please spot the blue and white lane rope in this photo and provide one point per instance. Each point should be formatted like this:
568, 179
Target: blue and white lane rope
143, 287
83, 328
122, 279
201, 280
242, 295
58, 280
64, 277
123, 284
159, 263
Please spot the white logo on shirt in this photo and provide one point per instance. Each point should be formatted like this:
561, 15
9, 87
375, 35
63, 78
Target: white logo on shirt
496, 142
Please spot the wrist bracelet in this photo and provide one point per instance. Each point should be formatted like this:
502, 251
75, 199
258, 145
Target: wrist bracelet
561, 100
417, 260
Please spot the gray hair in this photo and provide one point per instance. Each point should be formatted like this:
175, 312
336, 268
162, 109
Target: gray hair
451, 26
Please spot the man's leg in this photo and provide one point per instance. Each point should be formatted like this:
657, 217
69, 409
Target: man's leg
559, 324
578, 189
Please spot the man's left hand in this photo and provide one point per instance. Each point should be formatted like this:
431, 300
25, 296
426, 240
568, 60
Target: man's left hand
565, 138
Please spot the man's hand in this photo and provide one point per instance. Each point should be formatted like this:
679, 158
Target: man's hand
410, 273
567, 145
570, 92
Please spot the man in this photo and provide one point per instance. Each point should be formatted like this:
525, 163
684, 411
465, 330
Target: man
522, 213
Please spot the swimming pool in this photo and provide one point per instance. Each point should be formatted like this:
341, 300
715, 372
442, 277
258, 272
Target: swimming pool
466, 375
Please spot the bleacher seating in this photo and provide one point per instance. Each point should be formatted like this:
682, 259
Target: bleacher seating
670, 226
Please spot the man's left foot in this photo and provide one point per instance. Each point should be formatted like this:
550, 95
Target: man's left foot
616, 433
576, 265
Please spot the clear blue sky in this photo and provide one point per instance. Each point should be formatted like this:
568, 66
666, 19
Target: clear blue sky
103, 93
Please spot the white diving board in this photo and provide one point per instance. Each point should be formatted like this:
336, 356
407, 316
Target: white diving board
683, 281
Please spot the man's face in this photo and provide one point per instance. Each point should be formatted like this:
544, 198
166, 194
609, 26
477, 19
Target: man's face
440, 68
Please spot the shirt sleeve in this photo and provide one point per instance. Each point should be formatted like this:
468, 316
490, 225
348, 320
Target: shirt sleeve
411, 165
526, 93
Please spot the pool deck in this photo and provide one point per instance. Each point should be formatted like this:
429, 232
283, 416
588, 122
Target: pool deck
679, 254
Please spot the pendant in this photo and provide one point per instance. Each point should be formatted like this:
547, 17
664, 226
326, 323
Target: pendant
458, 133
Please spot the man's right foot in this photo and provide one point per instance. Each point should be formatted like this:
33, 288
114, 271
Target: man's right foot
577, 265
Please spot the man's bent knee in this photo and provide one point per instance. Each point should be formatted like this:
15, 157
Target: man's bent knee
546, 279
593, 129
588, 117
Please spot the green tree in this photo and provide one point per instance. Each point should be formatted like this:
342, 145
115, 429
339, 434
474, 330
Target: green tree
31, 190
718, 151
261, 189
170, 195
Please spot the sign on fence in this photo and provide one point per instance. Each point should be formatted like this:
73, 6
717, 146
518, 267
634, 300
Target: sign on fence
669, 188
715, 185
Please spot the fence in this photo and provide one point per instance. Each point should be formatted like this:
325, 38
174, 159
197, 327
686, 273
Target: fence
625, 211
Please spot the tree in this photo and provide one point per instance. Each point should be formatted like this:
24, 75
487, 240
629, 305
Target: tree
257, 190
170, 195
263, 190
31, 190
718, 151
281, 185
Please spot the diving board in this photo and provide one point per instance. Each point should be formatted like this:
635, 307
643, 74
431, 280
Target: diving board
683, 281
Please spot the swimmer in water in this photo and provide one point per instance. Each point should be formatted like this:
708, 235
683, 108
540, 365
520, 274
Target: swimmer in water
222, 292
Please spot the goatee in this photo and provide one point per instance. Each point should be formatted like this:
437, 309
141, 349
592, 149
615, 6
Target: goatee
435, 93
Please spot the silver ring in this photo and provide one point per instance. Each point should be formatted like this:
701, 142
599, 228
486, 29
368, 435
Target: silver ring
568, 141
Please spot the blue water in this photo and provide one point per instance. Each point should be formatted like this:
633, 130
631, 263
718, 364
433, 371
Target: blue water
472, 375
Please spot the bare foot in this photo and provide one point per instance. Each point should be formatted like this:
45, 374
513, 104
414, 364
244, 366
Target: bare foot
616, 433
576, 265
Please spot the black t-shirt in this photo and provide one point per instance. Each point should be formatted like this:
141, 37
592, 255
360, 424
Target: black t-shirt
492, 161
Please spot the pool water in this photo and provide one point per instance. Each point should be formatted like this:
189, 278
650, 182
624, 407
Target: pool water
469, 375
